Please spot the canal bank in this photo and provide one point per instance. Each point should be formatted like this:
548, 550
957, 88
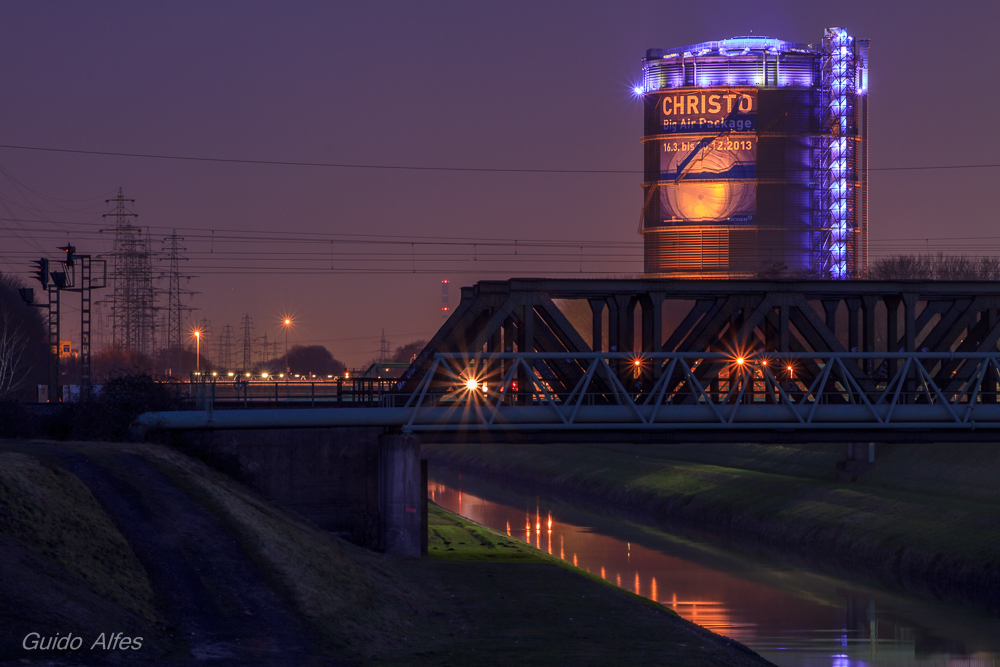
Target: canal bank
787, 611
924, 517
145, 540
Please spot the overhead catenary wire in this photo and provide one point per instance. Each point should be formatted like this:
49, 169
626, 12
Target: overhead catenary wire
289, 252
402, 167
243, 237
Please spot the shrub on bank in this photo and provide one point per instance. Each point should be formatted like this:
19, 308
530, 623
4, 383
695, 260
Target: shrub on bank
105, 417
16, 421
108, 415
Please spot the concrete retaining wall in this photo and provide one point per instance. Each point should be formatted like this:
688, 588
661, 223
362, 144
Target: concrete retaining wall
329, 476
361, 483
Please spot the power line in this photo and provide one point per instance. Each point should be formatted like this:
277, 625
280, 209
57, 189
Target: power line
398, 167
241, 236
333, 165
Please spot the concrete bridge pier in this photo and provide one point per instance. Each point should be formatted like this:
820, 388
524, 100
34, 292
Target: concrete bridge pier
402, 495
860, 458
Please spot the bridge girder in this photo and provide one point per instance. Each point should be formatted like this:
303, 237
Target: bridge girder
531, 315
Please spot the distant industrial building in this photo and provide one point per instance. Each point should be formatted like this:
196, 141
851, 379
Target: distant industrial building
756, 158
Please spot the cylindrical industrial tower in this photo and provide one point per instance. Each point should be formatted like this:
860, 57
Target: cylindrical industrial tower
756, 159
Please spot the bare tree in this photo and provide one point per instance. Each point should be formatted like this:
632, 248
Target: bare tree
14, 367
773, 270
406, 353
934, 267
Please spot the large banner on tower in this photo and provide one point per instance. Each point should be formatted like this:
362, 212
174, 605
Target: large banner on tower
708, 179
698, 110
708, 155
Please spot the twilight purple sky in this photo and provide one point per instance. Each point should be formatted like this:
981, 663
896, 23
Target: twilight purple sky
444, 84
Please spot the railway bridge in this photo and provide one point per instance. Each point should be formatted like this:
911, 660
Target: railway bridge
537, 360
669, 360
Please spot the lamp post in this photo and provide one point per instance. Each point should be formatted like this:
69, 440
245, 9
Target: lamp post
197, 354
288, 366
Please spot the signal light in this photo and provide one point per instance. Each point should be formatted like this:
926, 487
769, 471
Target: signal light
59, 278
42, 271
70, 250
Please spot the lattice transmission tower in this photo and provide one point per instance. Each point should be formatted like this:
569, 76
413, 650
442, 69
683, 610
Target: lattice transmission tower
226, 343
247, 343
133, 298
173, 330
207, 336
383, 349
264, 349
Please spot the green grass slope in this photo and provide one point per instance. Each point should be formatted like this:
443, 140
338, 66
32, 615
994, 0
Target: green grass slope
906, 516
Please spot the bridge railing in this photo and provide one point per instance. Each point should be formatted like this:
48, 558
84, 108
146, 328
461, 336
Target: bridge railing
226, 392
740, 395
709, 390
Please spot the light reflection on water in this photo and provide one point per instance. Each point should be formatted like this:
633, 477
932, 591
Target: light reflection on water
789, 615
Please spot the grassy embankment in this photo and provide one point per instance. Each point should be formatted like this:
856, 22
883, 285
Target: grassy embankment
925, 512
66, 567
481, 597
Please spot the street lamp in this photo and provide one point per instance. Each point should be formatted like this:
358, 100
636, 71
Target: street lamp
287, 324
197, 354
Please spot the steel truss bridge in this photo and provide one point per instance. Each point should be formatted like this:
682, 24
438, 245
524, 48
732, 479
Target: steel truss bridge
671, 360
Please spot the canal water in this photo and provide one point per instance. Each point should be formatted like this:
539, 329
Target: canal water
788, 612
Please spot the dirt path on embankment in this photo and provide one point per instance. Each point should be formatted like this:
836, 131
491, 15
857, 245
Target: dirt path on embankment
214, 597
215, 606
938, 534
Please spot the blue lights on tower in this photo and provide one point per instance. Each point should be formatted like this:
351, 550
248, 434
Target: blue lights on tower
799, 146
844, 72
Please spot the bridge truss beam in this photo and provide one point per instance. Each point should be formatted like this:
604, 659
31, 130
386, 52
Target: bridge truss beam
601, 396
577, 316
